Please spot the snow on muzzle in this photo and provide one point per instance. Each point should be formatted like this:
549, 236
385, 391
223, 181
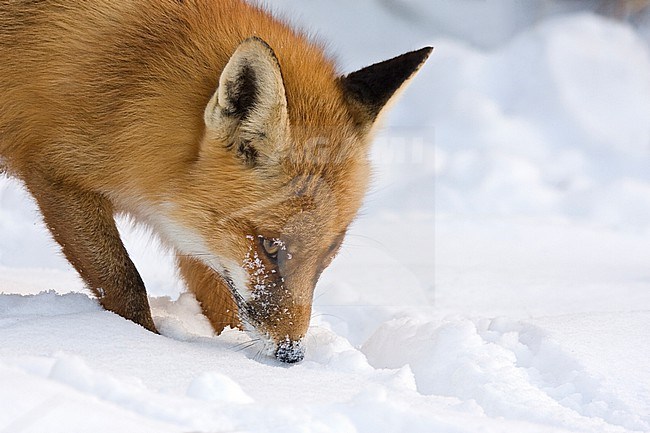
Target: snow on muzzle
275, 319
290, 351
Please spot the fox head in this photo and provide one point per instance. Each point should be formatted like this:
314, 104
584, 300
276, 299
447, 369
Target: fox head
280, 175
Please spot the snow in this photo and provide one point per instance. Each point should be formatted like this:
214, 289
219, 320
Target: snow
496, 281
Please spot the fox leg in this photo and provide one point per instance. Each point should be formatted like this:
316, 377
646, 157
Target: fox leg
82, 223
210, 290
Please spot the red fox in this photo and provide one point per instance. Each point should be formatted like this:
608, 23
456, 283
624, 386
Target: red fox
230, 135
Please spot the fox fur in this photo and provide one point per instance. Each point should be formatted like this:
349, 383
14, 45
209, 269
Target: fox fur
230, 135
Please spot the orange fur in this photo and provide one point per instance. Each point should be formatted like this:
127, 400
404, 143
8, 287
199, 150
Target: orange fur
103, 110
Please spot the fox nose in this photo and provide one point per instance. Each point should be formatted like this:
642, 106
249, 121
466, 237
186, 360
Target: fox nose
290, 351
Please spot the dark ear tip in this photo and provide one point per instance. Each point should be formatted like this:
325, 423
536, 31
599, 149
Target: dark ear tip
423, 53
373, 86
259, 41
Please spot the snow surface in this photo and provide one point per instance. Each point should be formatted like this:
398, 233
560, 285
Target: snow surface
497, 280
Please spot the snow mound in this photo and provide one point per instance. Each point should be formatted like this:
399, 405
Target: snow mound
216, 387
511, 369
554, 123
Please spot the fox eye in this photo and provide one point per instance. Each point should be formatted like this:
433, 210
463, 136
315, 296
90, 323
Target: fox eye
271, 247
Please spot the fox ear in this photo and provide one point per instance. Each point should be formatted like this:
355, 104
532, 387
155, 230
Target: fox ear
370, 89
249, 108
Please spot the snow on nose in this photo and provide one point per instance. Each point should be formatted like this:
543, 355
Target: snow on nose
290, 351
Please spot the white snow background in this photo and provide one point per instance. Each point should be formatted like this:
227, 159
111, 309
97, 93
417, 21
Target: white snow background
498, 279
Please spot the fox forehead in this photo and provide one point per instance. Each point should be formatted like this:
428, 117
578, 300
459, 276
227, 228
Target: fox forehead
318, 169
320, 199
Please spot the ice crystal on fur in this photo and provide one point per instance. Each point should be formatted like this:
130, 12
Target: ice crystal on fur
259, 275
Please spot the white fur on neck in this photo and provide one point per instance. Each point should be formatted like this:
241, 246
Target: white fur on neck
186, 241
